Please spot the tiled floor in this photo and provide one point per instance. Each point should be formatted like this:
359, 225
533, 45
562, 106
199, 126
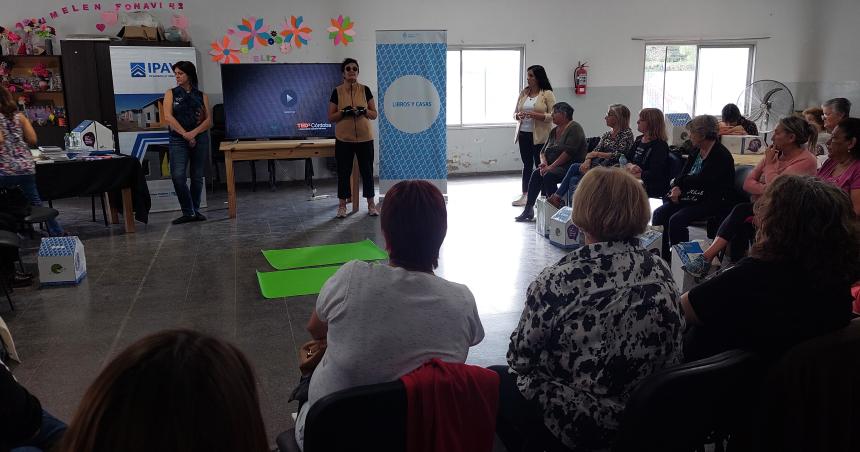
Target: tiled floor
202, 276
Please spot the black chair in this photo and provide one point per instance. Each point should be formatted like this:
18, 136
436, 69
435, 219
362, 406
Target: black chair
591, 143
349, 419
39, 215
10, 245
218, 134
810, 399
736, 196
687, 406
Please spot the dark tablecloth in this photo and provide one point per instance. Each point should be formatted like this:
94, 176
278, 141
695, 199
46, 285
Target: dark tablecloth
59, 180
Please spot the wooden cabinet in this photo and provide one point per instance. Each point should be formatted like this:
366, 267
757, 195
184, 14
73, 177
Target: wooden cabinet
41, 96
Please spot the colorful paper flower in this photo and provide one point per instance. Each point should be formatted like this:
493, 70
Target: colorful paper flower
341, 30
295, 33
222, 53
252, 28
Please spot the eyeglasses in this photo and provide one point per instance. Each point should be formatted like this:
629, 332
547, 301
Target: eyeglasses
351, 69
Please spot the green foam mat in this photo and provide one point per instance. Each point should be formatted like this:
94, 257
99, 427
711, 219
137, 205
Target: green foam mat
314, 256
294, 283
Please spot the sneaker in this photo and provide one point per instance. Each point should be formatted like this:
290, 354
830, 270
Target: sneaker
520, 202
22, 280
341, 212
199, 217
698, 267
184, 219
372, 211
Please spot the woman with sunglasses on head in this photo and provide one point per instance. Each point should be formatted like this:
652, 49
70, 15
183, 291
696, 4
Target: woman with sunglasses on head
351, 108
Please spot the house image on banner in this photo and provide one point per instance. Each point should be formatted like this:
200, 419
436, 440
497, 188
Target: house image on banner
147, 116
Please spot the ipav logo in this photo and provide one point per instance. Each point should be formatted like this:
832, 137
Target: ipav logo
150, 69
138, 69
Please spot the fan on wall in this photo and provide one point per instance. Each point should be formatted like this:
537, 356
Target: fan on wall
766, 102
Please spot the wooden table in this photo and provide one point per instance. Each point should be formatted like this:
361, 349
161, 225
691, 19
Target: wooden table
748, 159
278, 149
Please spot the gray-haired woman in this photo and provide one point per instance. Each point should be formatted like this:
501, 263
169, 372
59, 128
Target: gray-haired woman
566, 145
700, 191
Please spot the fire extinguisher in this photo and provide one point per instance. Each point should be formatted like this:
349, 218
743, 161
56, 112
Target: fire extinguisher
580, 77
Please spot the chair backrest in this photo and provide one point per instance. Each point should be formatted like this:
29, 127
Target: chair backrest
678, 408
354, 418
810, 398
675, 164
741, 173
592, 143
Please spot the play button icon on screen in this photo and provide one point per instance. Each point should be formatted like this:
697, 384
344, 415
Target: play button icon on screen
289, 98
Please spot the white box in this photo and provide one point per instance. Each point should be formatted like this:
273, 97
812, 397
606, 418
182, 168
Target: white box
676, 128
543, 213
163, 195
540, 220
563, 233
743, 144
682, 254
652, 240
61, 261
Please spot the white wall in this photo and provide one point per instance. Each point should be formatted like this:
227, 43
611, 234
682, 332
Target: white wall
810, 47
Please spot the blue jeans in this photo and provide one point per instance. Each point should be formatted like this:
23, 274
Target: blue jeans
50, 432
27, 183
568, 184
182, 155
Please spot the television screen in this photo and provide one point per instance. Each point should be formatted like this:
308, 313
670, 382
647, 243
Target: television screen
278, 100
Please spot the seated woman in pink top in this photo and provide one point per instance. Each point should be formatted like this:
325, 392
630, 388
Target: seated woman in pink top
842, 167
787, 155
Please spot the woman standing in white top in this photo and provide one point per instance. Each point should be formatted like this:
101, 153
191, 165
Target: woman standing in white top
534, 120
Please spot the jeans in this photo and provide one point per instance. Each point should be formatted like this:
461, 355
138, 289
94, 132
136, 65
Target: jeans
545, 184
530, 155
27, 183
675, 218
50, 432
182, 155
343, 154
569, 183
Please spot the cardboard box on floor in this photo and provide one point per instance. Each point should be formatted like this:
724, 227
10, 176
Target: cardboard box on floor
563, 233
543, 213
61, 261
652, 240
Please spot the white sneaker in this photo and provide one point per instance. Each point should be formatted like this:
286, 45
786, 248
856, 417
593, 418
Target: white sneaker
520, 202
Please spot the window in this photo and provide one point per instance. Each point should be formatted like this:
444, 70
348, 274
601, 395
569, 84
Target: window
696, 79
483, 85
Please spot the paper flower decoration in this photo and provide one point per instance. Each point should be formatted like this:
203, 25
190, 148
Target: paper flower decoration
252, 28
341, 30
295, 33
222, 53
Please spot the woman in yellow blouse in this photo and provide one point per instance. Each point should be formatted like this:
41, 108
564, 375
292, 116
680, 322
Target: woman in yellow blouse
534, 120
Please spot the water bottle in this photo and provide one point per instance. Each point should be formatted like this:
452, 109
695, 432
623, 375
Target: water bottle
622, 160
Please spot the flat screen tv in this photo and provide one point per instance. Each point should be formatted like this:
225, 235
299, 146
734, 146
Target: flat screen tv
278, 101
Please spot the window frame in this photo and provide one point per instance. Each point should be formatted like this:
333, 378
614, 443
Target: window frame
699, 45
460, 48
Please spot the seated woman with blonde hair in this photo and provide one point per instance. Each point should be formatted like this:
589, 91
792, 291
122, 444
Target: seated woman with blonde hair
595, 324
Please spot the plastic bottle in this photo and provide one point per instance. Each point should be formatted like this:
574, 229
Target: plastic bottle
622, 160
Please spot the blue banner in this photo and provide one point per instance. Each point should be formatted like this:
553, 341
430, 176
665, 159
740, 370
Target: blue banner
411, 72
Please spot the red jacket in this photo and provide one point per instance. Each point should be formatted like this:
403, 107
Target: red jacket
450, 407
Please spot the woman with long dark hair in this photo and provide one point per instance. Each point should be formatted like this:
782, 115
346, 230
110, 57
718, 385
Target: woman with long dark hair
796, 282
172, 391
186, 112
534, 120
351, 108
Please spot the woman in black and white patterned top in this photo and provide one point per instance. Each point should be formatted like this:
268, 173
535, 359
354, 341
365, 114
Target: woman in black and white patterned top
595, 324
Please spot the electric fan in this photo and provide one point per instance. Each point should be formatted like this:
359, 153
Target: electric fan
765, 103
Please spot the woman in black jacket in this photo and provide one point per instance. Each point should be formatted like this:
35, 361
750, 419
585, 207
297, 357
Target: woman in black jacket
700, 191
648, 158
